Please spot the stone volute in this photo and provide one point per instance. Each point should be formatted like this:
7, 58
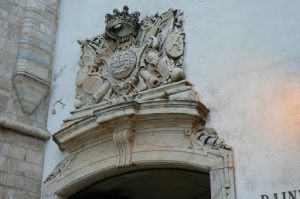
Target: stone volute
134, 109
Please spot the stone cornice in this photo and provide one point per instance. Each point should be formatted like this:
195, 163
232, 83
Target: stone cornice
98, 121
173, 102
34, 76
24, 129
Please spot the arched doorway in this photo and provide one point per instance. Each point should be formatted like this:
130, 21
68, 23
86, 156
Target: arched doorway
150, 184
149, 138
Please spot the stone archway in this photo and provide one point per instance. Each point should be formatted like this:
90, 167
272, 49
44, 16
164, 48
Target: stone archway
106, 141
150, 184
70, 181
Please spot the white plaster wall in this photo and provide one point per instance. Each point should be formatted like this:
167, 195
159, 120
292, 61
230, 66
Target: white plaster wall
244, 59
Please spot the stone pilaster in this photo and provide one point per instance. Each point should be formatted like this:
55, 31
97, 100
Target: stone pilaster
27, 39
32, 74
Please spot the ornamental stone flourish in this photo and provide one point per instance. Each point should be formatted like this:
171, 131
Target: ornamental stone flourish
135, 110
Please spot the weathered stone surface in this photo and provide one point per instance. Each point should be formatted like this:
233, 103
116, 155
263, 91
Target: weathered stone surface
9, 193
112, 139
130, 57
164, 98
27, 37
6, 61
3, 164
30, 170
24, 129
33, 185
6, 193
25, 77
21, 165
33, 156
4, 97
12, 151
31, 90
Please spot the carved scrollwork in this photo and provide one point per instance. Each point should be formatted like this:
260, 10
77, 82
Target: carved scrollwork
130, 57
199, 137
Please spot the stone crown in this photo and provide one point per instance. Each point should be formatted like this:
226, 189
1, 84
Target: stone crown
121, 17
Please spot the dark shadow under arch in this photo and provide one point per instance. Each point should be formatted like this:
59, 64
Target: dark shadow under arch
153, 183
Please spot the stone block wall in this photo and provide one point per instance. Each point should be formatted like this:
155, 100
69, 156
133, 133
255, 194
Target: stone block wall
21, 165
27, 42
11, 18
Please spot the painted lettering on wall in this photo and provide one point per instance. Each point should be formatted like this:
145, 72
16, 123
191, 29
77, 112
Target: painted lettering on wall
295, 194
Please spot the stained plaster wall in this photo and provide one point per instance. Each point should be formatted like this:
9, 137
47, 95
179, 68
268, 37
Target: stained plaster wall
243, 58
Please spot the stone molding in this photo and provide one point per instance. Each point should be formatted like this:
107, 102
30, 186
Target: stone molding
175, 100
123, 140
96, 163
24, 129
107, 139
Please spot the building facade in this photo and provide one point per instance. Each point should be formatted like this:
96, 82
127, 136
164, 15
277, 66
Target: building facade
242, 58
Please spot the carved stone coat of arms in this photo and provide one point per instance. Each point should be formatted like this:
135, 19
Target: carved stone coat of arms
131, 56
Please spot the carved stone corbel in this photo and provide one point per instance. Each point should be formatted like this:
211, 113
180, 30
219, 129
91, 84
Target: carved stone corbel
123, 140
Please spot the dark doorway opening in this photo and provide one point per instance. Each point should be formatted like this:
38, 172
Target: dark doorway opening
150, 184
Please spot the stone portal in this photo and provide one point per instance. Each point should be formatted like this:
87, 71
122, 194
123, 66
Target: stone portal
150, 184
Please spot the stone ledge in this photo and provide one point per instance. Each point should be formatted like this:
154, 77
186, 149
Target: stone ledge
105, 120
24, 129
